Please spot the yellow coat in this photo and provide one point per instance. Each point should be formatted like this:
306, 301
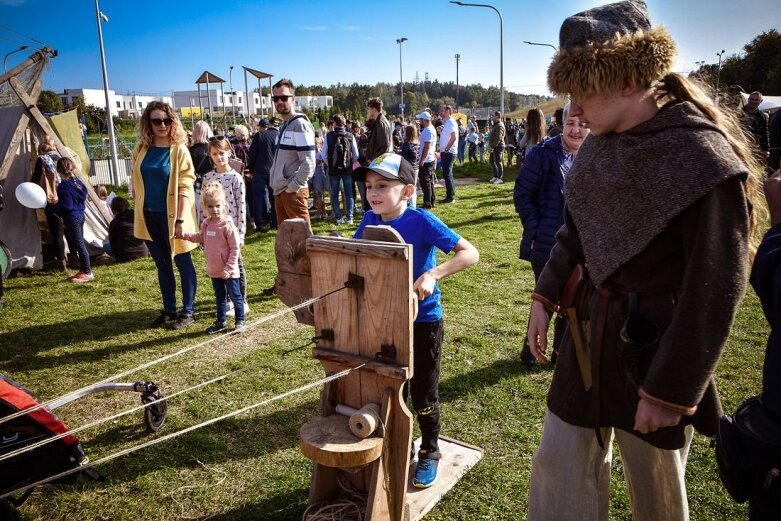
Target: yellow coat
179, 183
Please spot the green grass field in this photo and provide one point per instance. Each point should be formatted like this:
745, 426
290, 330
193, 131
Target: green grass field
57, 336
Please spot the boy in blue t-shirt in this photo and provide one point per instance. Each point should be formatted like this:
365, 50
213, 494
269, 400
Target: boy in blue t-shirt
390, 182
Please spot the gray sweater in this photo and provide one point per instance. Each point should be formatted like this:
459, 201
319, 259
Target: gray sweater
294, 161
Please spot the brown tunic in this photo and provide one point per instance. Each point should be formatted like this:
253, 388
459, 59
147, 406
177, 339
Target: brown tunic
690, 277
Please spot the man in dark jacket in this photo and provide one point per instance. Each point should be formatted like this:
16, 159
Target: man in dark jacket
261, 156
539, 201
381, 136
755, 122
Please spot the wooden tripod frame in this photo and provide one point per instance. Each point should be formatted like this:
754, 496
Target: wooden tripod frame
370, 322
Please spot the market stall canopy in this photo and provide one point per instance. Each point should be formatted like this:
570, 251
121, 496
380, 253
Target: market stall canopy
208, 77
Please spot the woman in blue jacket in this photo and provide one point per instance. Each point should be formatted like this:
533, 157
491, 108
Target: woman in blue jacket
539, 201
72, 196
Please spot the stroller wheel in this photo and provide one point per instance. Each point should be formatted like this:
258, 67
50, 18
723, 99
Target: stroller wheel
154, 415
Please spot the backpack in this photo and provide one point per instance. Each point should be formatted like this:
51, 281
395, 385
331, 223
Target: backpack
340, 155
748, 453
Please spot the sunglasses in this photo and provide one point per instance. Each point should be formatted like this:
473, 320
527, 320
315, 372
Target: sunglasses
160, 122
214, 139
280, 98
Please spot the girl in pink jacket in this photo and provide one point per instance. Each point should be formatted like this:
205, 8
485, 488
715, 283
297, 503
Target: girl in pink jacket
221, 242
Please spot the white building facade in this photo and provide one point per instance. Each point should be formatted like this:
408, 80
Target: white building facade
123, 106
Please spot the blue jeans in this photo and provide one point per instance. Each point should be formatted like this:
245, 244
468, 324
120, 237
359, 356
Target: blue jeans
364, 201
262, 202
74, 231
160, 249
223, 288
448, 158
346, 182
461, 149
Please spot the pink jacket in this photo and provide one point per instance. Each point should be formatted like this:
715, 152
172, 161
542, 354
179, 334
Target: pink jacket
220, 246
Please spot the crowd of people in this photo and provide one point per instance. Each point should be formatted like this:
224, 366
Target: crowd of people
644, 282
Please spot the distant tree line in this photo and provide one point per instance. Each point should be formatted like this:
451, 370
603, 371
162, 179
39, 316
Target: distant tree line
758, 67
417, 96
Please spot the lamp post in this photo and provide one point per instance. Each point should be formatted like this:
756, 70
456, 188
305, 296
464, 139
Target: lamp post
110, 123
718, 76
501, 48
700, 64
401, 78
458, 57
544, 45
233, 96
20, 49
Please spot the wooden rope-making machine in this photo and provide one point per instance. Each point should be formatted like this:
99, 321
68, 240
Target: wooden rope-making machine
369, 325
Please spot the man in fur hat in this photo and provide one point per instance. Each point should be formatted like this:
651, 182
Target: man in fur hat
657, 219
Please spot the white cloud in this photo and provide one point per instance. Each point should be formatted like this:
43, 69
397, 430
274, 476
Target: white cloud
305, 27
352, 28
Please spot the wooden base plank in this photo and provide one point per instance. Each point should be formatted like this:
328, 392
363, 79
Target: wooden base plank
457, 458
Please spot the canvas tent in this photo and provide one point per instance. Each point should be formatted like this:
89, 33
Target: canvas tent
22, 128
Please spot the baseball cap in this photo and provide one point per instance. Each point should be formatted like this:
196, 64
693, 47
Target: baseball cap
389, 166
264, 122
424, 115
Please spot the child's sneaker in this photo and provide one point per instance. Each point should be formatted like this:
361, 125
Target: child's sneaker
82, 277
215, 328
425, 473
240, 327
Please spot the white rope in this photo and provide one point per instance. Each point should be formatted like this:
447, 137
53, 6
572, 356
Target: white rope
351, 506
70, 432
183, 431
262, 320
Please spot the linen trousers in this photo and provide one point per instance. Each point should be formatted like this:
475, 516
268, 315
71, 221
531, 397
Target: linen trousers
571, 475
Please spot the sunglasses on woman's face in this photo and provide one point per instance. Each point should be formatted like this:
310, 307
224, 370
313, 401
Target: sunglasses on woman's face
160, 122
280, 98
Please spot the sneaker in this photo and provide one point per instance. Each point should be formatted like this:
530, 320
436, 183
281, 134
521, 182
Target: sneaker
215, 328
425, 473
240, 327
349, 221
269, 291
82, 277
448, 200
162, 319
340, 220
183, 321
498, 181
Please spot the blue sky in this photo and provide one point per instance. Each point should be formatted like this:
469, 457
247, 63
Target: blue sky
154, 47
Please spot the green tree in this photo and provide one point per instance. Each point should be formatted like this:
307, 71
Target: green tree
49, 101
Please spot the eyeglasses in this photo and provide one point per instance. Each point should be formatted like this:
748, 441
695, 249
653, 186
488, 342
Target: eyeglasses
160, 122
214, 139
280, 98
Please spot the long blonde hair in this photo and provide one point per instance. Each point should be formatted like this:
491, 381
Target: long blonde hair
177, 135
675, 86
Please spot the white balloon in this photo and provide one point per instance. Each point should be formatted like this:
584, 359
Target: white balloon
31, 195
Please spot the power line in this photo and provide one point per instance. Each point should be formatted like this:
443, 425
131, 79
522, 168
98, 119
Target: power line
22, 35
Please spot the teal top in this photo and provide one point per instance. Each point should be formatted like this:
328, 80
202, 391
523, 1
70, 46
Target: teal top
155, 171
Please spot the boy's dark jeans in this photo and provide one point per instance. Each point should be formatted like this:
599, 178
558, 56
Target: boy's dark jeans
424, 385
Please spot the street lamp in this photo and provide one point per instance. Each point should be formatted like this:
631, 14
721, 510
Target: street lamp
501, 49
401, 78
544, 45
718, 76
233, 95
458, 57
110, 123
20, 49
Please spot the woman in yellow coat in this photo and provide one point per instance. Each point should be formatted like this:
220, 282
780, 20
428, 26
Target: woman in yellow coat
162, 181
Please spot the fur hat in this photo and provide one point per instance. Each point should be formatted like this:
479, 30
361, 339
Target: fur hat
601, 48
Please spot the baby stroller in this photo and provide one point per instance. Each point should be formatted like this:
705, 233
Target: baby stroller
60, 455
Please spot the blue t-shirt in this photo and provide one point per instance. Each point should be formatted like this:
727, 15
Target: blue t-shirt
155, 171
425, 232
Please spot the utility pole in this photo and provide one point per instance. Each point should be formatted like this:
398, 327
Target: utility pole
458, 57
